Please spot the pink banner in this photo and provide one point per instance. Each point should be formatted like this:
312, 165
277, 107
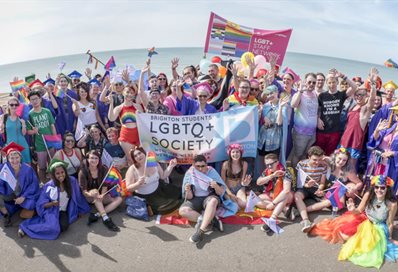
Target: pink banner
230, 39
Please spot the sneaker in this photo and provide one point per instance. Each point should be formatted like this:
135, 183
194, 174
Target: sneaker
307, 226
21, 233
197, 236
92, 218
293, 214
266, 228
217, 224
110, 225
7, 220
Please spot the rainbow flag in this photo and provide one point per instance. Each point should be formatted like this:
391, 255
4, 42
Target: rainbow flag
53, 141
17, 85
151, 159
58, 92
390, 63
114, 178
23, 97
121, 190
335, 193
110, 64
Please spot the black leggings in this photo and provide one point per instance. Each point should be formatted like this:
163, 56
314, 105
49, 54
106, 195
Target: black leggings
63, 220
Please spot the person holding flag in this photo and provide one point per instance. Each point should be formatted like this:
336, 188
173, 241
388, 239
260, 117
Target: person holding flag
60, 203
19, 186
203, 190
41, 122
145, 179
92, 177
13, 128
367, 229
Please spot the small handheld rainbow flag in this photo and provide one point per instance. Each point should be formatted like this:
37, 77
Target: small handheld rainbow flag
53, 141
17, 85
23, 97
122, 189
110, 64
390, 63
151, 159
58, 92
113, 178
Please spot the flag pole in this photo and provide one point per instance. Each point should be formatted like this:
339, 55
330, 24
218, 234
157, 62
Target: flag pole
105, 176
91, 55
348, 188
44, 140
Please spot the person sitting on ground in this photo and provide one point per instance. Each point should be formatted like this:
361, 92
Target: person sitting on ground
145, 181
198, 200
311, 174
114, 149
233, 172
91, 177
20, 189
94, 140
60, 203
277, 195
70, 154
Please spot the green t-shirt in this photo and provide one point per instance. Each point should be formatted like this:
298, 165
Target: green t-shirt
43, 121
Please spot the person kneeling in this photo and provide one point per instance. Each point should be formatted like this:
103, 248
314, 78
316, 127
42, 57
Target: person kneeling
198, 199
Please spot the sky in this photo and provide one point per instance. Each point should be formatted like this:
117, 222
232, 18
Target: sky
32, 29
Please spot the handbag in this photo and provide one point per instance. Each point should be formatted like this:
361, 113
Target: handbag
136, 208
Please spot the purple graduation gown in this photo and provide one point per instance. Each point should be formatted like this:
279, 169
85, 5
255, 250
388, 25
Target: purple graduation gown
189, 106
29, 184
45, 225
392, 161
65, 122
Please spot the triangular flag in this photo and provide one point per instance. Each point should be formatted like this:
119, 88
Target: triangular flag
271, 223
106, 158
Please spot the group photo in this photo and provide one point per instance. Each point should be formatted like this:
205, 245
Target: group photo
238, 152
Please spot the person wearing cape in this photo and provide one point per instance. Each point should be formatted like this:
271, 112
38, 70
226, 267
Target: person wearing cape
19, 186
59, 205
367, 229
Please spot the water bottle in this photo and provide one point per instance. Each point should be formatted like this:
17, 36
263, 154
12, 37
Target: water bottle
334, 211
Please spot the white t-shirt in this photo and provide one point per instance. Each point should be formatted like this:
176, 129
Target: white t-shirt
87, 114
63, 201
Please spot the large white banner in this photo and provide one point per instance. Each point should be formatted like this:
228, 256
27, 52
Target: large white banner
183, 137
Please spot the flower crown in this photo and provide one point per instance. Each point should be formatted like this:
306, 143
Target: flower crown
341, 150
382, 181
234, 146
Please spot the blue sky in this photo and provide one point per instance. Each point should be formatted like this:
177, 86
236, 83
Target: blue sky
31, 29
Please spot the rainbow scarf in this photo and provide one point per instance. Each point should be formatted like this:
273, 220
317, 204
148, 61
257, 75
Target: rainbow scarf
235, 100
128, 117
151, 159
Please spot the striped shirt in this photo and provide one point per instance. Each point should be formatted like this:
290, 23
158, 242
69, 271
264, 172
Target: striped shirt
314, 173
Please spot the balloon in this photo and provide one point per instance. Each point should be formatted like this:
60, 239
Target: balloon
216, 59
222, 71
261, 72
260, 61
243, 58
204, 66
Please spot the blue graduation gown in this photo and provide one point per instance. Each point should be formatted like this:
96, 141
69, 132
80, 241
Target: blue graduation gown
65, 122
189, 106
46, 224
29, 188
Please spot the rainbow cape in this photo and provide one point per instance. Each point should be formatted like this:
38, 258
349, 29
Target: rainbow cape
151, 159
234, 100
53, 141
17, 85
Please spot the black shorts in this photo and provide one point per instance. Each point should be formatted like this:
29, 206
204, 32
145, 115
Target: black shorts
309, 193
198, 203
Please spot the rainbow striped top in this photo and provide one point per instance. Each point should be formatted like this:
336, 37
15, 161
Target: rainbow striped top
234, 100
127, 115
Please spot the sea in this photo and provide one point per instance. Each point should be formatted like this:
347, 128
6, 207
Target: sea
298, 62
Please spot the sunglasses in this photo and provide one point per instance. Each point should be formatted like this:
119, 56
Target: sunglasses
382, 188
161, 78
202, 96
254, 89
118, 84
269, 165
13, 105
359, 95
311, 82
200, 165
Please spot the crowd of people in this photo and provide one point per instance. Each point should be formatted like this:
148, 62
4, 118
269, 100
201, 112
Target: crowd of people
316, 134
